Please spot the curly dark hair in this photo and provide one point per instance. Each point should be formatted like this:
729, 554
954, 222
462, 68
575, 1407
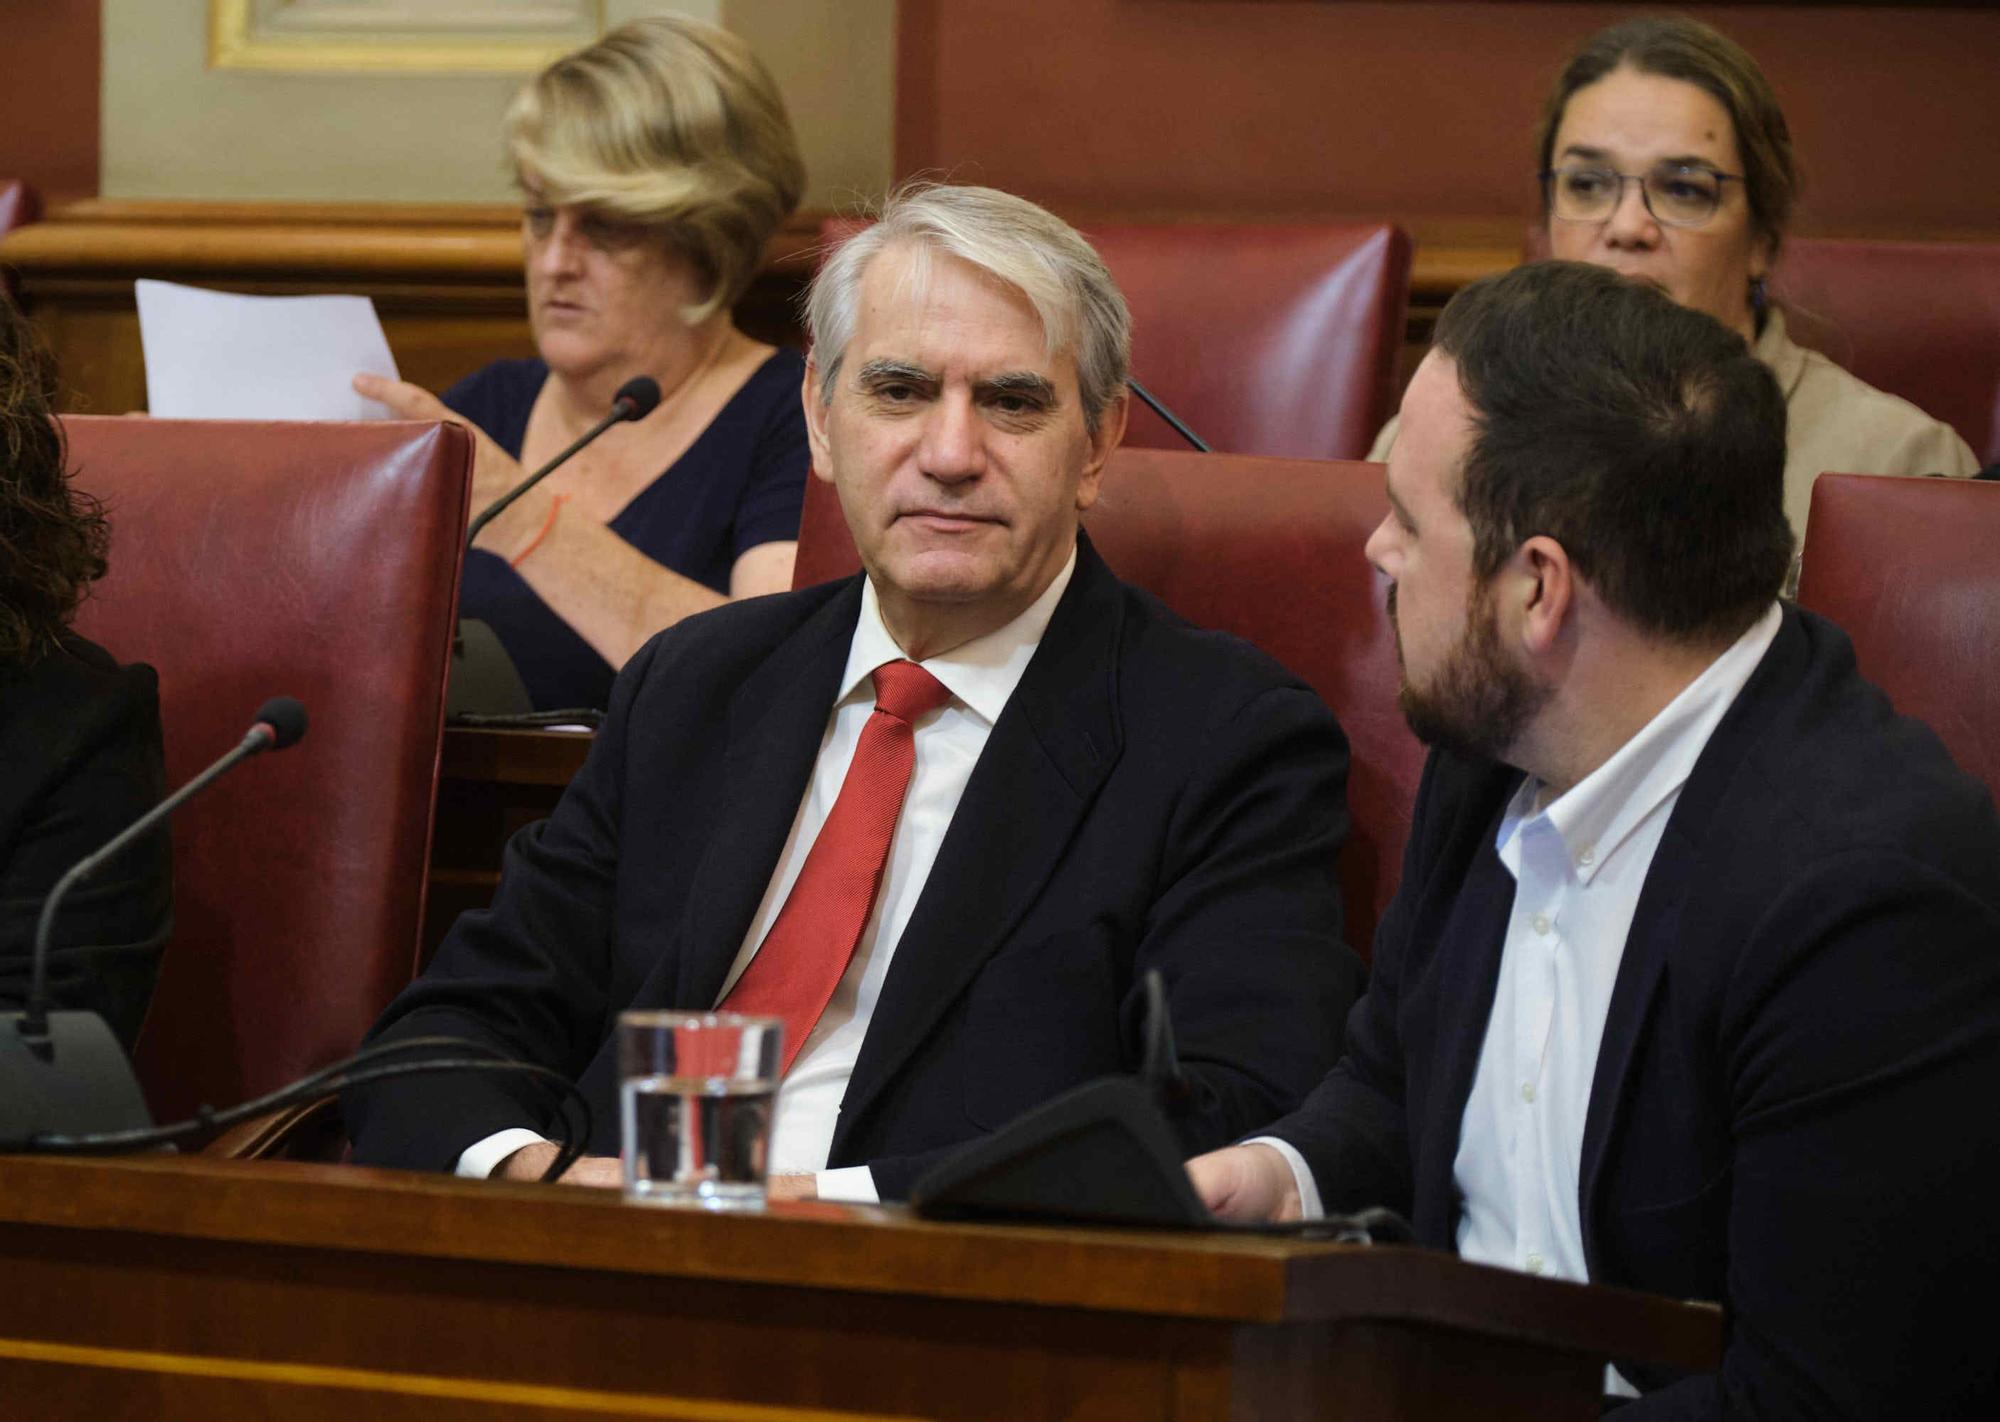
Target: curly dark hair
52, 538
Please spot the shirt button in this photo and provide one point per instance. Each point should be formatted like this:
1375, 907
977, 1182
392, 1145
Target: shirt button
1536, 1263
1528, 1092
1541, 923
1586, 857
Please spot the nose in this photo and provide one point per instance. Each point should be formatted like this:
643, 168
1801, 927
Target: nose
557, 253
1377, 548
953, 449
1631, 222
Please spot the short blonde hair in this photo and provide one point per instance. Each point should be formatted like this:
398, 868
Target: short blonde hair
1024, 246
669, 123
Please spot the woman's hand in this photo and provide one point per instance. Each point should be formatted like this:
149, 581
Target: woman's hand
494, 471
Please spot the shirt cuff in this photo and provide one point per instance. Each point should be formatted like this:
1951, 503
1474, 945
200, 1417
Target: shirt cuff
482, 1158
1302, 1176
850, 1185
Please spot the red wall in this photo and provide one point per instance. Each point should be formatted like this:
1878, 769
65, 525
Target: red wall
1289, 107
48, 95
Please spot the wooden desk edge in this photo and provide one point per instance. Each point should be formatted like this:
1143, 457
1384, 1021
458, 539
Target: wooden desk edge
875, 1250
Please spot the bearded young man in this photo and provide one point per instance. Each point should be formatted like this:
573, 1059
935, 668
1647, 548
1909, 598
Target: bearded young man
1692, 983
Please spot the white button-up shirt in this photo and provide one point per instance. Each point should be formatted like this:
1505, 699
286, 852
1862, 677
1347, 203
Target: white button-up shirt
981, 676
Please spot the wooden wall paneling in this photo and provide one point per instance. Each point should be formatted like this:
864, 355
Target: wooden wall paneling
1299, 111
446, 279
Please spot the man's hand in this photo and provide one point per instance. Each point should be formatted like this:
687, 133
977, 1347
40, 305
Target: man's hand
792, 1187
494, 471
1246, 1184
528, 1163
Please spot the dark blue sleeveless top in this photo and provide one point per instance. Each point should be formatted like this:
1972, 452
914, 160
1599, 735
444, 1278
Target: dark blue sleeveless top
739, 484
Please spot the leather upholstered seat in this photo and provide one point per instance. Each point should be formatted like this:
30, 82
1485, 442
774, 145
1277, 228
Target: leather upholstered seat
1910, 569
1918, 319
253, 560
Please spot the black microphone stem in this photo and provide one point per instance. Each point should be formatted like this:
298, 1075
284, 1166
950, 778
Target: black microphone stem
35, 1015
1169, 416
619, 411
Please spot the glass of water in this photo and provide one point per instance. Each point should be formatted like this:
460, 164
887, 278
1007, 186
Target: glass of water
694, 1099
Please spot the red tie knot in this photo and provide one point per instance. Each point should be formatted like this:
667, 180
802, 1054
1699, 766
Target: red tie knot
906, 691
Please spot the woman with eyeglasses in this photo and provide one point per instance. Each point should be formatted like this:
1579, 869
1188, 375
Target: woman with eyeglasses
654, 165
1664, 156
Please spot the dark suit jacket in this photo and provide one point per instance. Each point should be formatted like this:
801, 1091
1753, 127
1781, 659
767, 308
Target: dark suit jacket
1793, 1108
79, 761
1153, 796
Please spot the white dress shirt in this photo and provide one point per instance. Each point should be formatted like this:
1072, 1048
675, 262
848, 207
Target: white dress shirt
981, 676
1579, 863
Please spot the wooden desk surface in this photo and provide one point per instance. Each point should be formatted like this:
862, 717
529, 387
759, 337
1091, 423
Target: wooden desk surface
267, 1289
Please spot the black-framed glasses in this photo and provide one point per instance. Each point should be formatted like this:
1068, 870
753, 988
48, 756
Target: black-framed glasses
1677, 194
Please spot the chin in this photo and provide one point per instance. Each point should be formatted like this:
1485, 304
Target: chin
567, 355
943, 577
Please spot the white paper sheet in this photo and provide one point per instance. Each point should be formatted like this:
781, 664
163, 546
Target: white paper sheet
214, 355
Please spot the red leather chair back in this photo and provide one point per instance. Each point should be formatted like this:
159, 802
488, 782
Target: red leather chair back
1269, 549
18, 204
314, 560
1908, 568
1918, 319
1278, 340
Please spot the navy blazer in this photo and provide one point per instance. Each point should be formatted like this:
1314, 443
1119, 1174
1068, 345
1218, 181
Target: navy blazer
1792, 1111
1153, 796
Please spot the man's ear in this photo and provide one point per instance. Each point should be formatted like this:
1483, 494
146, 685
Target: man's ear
1110, 430
822, 458
1546, 591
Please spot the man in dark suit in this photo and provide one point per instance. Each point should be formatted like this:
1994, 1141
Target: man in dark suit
1080, 787
1692, 983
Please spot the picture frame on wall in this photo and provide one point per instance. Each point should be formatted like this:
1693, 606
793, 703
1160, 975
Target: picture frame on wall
390, 36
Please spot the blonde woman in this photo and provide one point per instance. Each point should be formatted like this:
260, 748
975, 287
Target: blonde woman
653, 165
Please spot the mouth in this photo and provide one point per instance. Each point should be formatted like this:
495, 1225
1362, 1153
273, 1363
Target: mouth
1643, 279
945, 521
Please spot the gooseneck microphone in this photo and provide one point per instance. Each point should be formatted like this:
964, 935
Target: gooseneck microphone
64, 1070
635, 400
1153, 403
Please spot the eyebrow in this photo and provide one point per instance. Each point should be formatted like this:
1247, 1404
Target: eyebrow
1674, 160
1023, 383
880, 371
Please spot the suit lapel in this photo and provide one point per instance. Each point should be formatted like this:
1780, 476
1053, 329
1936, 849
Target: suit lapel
1042, 767
777, 719
1655, 931
1468, 972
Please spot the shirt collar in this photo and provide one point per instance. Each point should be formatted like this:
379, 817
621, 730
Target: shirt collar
1597, 814
981, 674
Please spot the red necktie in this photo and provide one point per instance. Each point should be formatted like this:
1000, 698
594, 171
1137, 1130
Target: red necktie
802, 958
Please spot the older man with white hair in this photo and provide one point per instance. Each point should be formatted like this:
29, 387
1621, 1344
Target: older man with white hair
1045, 782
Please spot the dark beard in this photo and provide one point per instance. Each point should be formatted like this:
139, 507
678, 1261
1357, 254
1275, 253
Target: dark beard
1478, 703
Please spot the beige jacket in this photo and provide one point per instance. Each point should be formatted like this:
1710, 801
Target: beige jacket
1834, 423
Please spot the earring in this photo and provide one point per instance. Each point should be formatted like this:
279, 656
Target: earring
1759, 297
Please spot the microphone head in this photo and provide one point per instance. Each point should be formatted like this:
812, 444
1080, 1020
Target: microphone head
637, 397
287, 719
